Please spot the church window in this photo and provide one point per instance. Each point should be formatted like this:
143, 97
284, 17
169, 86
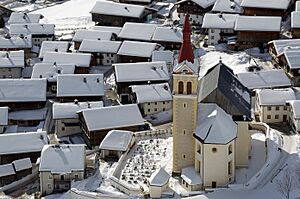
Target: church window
180, 87
189, 88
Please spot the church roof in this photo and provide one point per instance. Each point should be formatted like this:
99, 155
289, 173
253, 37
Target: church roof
186, 51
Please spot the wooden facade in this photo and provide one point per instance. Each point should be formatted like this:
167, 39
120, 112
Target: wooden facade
250, 39
296, 33
23, 105
132, 59
5, 180
250, 11
292, 73
23, 173
8, 158
190, 7
80, 98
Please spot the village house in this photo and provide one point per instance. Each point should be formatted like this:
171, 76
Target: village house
158, 183
164, 9
170, 38
294, 115
3, 118
295, 24
256, 31
266, 8
11, 64
103, 15
270, 105
134, 51
7, 174
81, 87
129, 74
65, 116
228, 6
80, 35
114, 29
104, 53
116, 143
16, 146
166, 56
56, 176
15, 97
27, 118
24, 18
137, 31
50, 72
16, 43
124, 117
220, 27
152, 98
82, 61
53, 46
195, 8
38, 32
23, 167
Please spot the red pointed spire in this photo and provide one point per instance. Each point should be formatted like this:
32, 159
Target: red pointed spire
186, 50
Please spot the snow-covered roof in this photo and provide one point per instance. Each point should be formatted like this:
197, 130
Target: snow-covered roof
51, 71
214, 125
282, 45
295, 104
4, 115
22, 164
63, 158
167, 34
273, 4
228, 6
159, 178
297, 7
142, 71
193, 67
203, 3
79, 59
264, 79
16, 42
275, 96
116, 140
14, 143
31, 114
88, 45
152, 93
191, 176
31, 29
163, 55
119, 9
53, 46
12, 90
112, 117
137, 31
295, 19
91, 34
80, 85
12, 59
258, 23
219, 21
6, 170
293, 58
137, 49
23, 18
113, 29
69, 110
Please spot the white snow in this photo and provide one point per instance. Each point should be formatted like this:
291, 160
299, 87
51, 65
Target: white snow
22, 164
203, 3
137, 31
23, 18
16, 42
31, 29
6, 170
116, 140
228, 6
293, 58
53, 46
79, 59
219, 21
14, 59
113, 29
32, 114
4, 115
137, 49
275, 96
295, 105
89, 45
163, 55
191, 176
167, 34
283, 45
91, 34
273, 4
257, 23
159, 178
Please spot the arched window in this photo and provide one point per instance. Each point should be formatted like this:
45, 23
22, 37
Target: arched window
189, 88
180, 87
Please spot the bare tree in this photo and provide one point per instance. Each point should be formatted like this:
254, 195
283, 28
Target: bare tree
286, 184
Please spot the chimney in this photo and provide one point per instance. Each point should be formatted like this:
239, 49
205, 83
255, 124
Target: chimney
75, 101
84, 80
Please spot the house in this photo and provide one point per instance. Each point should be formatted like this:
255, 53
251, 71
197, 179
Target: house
14, 146
14, 97
295, 24
11, 64
114, 29
195, 9
222, 87
16, 43
129, 74
50, 72
56, 176
168, 37
38, 32
65, 116
228, 6
164, 9
23, 167
103, 15
24, 18
82, 87
158, 183
82, 61
7, 174
80, 35
289, 61
53, 46
3, 118
256, 31
124, 117
27, 118
266, 8
166, 56
277, 47
220, 27
103, 52
270, 105
115, 143
294, 116
152, 98
137, 31
134, 51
